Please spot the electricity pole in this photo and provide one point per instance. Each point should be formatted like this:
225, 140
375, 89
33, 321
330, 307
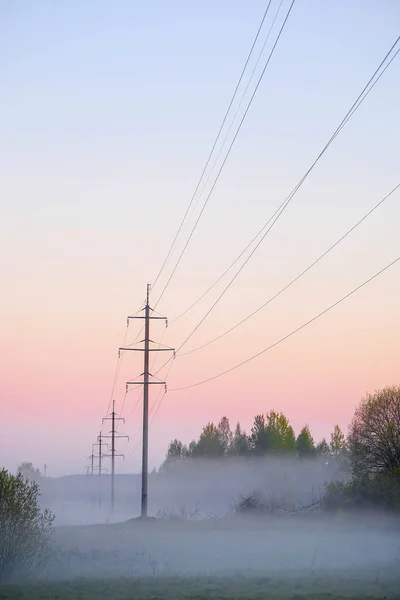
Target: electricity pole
91, 458
146, 382
100, 455
113, 418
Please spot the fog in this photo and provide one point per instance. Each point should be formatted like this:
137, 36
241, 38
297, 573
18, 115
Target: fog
210, 488
200, 531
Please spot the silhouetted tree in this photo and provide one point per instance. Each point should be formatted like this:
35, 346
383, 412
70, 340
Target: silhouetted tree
28, 470
305, 444
225, 434
280, 434
240, 443
338, 441
272, 434
176, 451
322, 449
209, 444
374, 436
258, 436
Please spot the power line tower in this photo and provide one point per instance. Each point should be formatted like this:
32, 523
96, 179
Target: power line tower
100, 467
91, 458
146, 382
113, 435
100, 454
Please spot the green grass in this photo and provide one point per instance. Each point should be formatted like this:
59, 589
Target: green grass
201, 588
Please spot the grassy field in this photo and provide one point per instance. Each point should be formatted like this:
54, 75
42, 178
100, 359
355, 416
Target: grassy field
199, 588
246, 559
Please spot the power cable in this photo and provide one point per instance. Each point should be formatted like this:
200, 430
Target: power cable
118, 367
227, 154
116, 373
287, 286
155, 408
214, 145
244, 362
289, 198
238, 107
283, 204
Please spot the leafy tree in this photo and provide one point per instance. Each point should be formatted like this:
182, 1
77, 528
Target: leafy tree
258, 436
225, 434
338, 441
176, 451
272, 434
24, 528
374, 436
28, 470
209, 444
192, 448
305, 444
380, 490
280, 435
322, 449
240, 443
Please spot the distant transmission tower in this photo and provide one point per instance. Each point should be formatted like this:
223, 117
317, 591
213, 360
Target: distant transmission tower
100, 457
100, 454
113, 435
146, 382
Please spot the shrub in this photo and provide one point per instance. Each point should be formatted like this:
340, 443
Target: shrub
25, 529
376, 491
183, 514
257, 504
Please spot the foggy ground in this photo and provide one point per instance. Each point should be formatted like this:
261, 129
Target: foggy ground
261, 546
263, 557
212, 552
211, 488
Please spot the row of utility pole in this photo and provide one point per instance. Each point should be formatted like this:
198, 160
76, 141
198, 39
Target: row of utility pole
146, 381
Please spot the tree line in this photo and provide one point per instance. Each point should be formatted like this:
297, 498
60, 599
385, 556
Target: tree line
370, 451
271, 434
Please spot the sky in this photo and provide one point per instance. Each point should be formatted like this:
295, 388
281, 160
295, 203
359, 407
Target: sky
108, 112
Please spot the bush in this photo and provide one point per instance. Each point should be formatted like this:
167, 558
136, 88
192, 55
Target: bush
377, 491
257, 504
25, 529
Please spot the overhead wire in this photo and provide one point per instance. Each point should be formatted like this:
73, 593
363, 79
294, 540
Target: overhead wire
350, 113
288, 285
214, 145
239, 106
348, 116
292, 333
227, 154
283, 204
154, 409
366, 90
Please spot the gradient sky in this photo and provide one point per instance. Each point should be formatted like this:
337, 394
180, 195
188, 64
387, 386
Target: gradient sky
107, 114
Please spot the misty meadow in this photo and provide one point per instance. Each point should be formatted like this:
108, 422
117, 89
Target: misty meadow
266, 512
